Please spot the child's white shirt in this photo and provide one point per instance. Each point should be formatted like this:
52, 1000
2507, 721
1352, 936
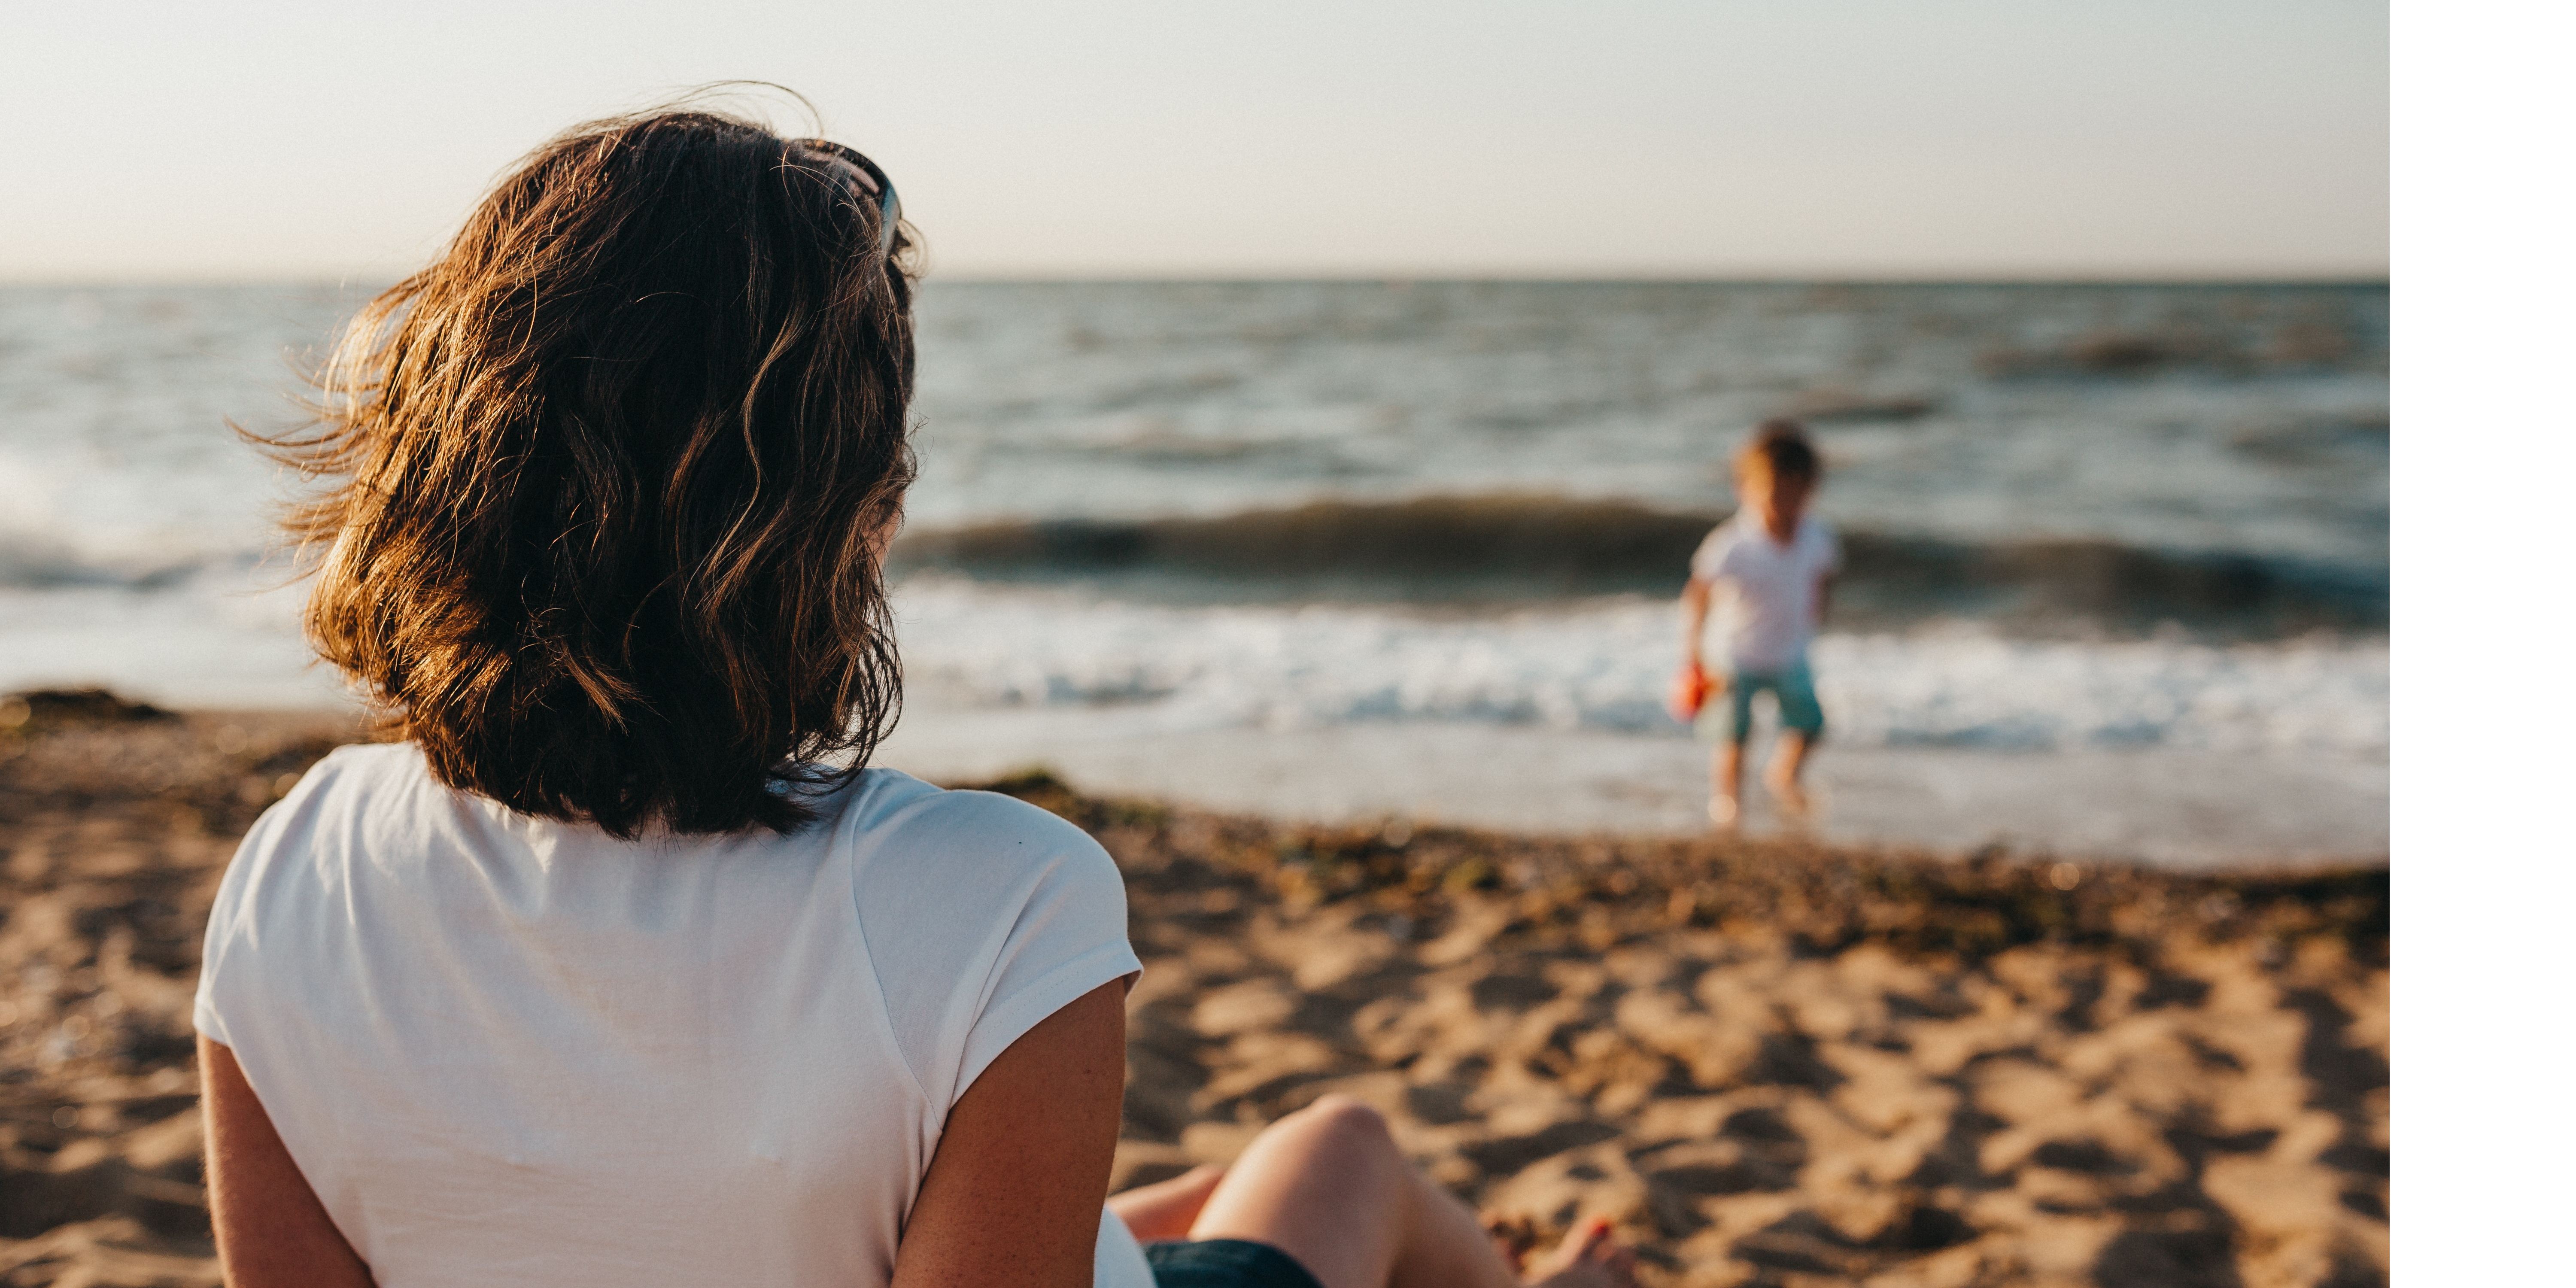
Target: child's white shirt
1763, 601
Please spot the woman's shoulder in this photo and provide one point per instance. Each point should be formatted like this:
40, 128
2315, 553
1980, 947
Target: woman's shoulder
893, 798
359, 766
353, 776
898, 821
297, 858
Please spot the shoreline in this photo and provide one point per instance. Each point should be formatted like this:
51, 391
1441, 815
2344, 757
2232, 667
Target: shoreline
2163, 750
1762, 1058
2179, 809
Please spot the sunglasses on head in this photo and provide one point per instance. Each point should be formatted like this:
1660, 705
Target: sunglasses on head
874, 180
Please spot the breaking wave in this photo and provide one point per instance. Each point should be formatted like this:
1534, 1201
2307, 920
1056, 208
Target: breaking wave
1603, 667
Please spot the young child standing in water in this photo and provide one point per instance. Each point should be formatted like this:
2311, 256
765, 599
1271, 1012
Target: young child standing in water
1766, 573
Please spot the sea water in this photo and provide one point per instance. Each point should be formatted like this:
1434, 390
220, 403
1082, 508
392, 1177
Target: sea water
1177, 528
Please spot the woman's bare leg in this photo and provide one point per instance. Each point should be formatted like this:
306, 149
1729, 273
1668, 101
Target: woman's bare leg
1166, 1209
1328, 1186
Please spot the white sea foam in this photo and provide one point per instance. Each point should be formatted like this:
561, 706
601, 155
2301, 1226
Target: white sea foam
230, 636
1603, 666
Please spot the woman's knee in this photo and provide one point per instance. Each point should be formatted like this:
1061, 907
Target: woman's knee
1327, 1186
1342, 1128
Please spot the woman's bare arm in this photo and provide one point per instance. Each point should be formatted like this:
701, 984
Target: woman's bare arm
269, 1227
1013, 1197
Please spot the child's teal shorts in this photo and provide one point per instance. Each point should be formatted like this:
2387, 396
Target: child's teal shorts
1793, 686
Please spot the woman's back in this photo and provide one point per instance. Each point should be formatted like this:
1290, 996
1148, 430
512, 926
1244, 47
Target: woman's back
621, 968
507, 1049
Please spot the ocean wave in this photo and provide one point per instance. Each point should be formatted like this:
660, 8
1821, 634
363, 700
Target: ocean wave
1604, 667
34, 563
1523, 546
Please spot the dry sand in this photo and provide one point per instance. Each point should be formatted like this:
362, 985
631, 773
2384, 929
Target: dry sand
1771, 1064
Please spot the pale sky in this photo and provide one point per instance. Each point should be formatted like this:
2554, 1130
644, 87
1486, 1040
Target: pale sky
1836, 138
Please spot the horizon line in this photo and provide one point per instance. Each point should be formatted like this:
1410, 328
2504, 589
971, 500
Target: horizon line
2356, 278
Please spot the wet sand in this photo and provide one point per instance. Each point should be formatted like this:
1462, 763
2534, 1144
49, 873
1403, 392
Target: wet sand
2168, 807
1771, 1063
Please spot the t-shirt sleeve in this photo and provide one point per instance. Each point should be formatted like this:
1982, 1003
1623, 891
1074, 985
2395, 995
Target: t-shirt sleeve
984, 915
222, 923
254, 864
1829, 549
1117, 1261
1071, 938
1709, 560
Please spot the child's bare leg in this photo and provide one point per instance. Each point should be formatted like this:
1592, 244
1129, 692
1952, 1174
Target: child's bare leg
1787, 764
1725, 783
1327, 1186
1165, 1209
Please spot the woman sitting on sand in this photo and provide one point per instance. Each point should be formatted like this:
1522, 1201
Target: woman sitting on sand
621, 968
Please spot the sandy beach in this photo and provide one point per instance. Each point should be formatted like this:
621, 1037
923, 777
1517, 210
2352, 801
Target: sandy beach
1770, 1062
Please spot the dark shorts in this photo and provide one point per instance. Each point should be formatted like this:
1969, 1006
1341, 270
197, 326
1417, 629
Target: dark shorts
1225, 1263
1795, 688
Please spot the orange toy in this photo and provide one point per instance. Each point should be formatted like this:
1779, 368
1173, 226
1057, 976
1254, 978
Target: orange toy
1690, 692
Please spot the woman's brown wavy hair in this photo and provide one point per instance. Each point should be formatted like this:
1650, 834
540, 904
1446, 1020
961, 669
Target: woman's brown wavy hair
612, 480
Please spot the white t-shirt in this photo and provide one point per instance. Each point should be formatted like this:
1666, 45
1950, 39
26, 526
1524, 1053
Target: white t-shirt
1763, 612
511, 1051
